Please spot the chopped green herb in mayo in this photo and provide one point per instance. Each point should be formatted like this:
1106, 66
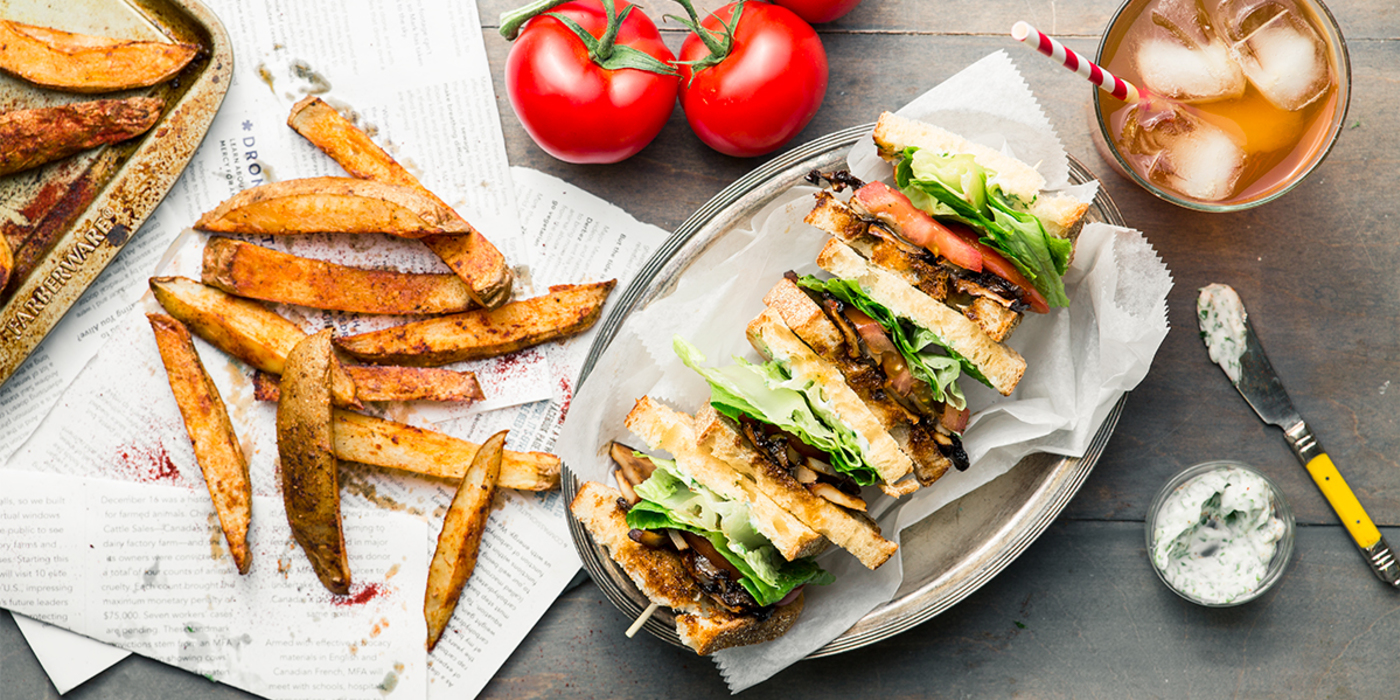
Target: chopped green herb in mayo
1216, 534
1221, 315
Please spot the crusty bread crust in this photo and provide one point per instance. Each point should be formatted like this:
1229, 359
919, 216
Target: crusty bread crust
658, 573
804, 317
664, 428
775, 341
1001, 365
894, 133
661, 577
855, 533
707, 635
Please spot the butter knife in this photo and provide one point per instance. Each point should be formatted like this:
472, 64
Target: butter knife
1233, 345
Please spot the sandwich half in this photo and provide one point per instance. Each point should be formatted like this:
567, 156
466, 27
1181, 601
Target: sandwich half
911, 393
713, 545
663, 576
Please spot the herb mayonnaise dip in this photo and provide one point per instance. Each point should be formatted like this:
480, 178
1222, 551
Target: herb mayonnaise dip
1220, 314
1215, 534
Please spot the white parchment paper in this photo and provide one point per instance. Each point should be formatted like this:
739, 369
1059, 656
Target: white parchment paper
1080, 360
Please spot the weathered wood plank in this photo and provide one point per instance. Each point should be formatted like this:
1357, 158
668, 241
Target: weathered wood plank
1080, 614
952, 17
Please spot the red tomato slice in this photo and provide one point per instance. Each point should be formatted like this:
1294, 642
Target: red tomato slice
917, 227
998, 265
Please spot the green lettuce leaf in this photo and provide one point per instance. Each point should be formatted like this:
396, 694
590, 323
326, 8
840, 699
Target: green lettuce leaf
940, 371
955, 187
671, 499
768, 393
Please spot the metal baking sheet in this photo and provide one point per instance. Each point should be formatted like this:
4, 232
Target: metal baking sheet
67, 220
991, 525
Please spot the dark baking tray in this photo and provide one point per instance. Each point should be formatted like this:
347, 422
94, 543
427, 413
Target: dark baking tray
67, 220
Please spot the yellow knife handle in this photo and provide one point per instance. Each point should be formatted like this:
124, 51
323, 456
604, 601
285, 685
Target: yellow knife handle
1335, 489
1373, 547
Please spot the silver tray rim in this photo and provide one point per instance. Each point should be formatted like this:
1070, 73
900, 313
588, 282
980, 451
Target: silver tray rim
908, 608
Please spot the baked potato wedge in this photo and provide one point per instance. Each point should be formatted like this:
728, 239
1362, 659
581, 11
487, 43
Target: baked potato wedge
332, 205
475, 260
242, 328
33, 137
460, 540
216, 446
86, 63
7, 264
384, 443
256, 272
392, 383
567, 310
310, 471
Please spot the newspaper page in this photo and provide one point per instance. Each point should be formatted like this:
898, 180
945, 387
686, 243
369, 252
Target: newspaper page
414, 76
145, 567
131, 430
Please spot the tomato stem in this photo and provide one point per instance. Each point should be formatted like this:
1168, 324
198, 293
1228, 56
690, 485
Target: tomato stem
511, 21
604, 50
718, 42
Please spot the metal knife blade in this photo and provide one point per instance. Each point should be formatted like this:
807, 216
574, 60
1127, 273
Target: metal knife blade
1223, 317
1260, 386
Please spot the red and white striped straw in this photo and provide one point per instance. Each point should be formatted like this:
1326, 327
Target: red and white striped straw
1108, 82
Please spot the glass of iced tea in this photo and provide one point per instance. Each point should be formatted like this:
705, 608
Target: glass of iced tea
1248, 97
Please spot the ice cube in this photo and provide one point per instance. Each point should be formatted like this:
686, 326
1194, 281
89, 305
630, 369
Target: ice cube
1286, 62
1177, 149
1204, 73
1181, 57
1279, 51
1203, 163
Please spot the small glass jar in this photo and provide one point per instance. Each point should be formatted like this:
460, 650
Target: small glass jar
1204, 566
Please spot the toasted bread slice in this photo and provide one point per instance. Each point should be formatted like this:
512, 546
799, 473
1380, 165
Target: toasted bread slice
1062, 214
707, 635
664, 428
1001, 365
808, 322
852, 532
772, 339
988, 309
658, 573
662, 578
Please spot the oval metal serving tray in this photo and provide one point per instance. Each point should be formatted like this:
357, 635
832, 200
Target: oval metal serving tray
946, 556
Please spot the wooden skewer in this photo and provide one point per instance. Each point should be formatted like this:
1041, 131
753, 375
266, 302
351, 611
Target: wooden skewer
642, 619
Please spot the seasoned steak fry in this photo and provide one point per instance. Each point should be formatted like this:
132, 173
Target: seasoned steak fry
85, 63
460, 539
332, 205
252, 271
216, 446
475, 260
566, 311
33, 137
384, 443
310, 471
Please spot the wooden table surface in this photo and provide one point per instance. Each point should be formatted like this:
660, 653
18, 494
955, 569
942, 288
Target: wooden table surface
1080, 614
